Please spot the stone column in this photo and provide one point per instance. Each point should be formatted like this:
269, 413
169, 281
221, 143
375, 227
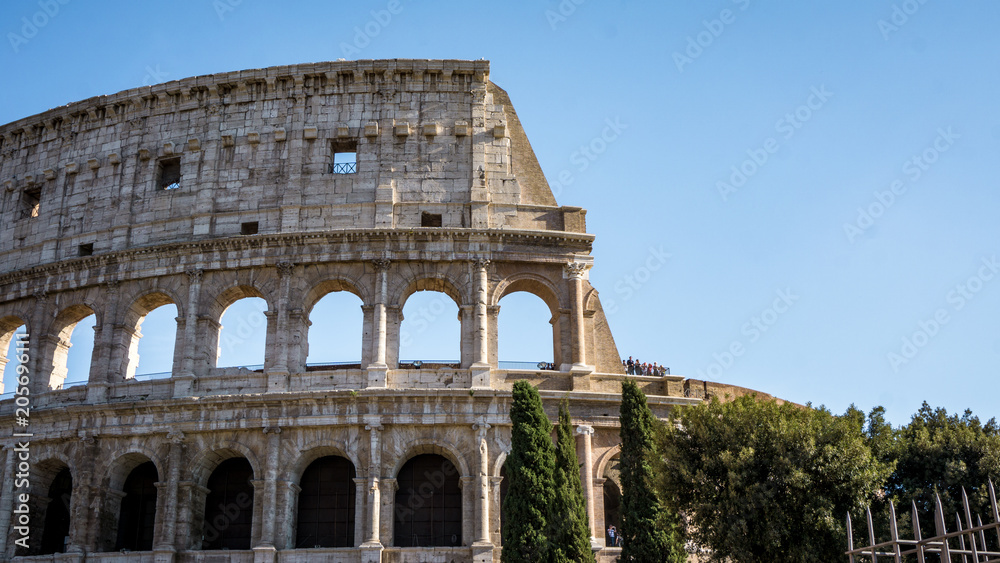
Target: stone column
497, 505
482, 547
388, 520
359, 510
184, 381
40, 314
277, 371
165, 545
481, 334
265, 549
374, 498
378, 368
575, 272
482, 529
101, 372
587, 476
289, 499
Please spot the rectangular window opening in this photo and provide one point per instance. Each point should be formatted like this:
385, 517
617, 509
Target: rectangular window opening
430, 219
250, 228
87, 249
169, 177
30, 201
345, 157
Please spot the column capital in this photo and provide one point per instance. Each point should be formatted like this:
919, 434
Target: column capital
194, 274
175, 437
585, 429
381, 264
576, 270
376, 427
481, 262
285, 268
272, 430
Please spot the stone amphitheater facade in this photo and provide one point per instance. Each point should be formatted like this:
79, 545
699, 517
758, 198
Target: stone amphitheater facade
207, 190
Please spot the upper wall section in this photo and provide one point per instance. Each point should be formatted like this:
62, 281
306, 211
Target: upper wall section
434, 144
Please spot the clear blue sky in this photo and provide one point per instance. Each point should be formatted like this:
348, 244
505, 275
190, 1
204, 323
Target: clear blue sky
822, 104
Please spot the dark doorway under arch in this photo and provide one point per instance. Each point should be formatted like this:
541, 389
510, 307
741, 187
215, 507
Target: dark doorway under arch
428, 503
138, 510
56, 528
326, 504
229, 506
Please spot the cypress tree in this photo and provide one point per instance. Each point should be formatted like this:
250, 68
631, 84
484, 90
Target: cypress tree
648, 534
529, 466
570, 533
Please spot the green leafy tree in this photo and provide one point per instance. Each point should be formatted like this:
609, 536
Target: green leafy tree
767, 482
649, 534
570, 527
938, 452
529, 466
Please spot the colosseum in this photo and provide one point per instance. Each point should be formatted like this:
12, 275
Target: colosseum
377, 178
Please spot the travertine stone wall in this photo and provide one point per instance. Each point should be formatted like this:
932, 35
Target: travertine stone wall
85, 228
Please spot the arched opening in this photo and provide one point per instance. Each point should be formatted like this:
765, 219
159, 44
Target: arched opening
326, 504
428, 507
335, 330
153, 319
78, 353
13, 348
138, 509
243, 334
524, 332
229, 506
55, 531
431, 329
612, 502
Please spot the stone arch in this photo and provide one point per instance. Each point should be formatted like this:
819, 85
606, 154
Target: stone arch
604, 459
234, 293
124, 460
119, 469
429, 282
326, 501
435, 282
590, 300
541, 287
9, 325
315, 450
203, 465
212, 326
301, 325
42, 477
498, 464
204, 462
142, 305
537, 285
336, 283
56, 351
440, 447
429, 504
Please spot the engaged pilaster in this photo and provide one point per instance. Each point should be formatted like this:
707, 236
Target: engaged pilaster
481, 365
184, 381
576, 272
587, 476
378, 369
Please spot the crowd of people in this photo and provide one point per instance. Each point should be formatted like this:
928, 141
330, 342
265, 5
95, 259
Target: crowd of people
635, 367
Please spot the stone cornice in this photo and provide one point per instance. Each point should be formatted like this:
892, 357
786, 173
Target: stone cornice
239, 86
107, 267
